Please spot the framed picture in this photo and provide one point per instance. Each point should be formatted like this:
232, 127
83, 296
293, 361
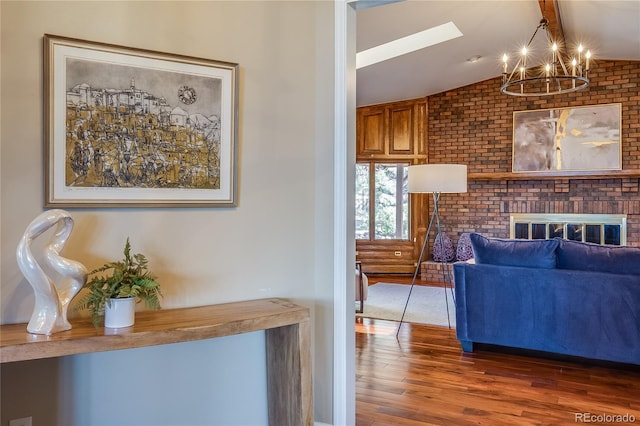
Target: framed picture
128, 127
568, 139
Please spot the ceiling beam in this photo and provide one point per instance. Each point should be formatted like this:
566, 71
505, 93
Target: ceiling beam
549, 9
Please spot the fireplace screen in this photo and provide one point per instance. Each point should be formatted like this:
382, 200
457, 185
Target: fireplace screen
591, 228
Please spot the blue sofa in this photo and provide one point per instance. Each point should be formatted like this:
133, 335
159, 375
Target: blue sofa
558, 296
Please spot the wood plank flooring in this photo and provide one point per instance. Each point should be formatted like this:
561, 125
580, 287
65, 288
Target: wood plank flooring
424, 378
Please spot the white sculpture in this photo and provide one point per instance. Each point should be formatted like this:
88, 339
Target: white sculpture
51, 300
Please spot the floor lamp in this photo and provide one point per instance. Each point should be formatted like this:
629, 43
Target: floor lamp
435, 179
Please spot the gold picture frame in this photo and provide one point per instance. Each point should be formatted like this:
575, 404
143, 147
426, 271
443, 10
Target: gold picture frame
127, 127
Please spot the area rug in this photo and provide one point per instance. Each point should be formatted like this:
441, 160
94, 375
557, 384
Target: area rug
427, 305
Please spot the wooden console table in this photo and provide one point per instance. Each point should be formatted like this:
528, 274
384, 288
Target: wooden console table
287, 331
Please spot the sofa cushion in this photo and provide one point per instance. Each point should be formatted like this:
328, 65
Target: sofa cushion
524, 253
598, 258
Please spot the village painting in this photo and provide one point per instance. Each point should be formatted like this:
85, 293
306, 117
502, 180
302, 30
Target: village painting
134, 127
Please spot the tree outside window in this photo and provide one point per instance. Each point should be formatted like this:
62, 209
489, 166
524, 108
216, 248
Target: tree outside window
387, 218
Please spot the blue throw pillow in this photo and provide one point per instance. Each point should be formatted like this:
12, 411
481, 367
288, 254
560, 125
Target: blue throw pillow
525, 253
598, 258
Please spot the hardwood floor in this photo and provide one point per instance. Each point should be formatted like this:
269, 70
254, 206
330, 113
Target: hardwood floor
424, 378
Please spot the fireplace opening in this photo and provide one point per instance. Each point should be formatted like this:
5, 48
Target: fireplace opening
610, 229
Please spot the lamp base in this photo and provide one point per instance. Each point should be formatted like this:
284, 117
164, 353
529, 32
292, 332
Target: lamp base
447, 277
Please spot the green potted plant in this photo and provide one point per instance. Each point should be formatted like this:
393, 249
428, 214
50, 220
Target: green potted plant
116, 292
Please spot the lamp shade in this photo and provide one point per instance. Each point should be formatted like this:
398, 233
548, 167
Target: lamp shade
438, 178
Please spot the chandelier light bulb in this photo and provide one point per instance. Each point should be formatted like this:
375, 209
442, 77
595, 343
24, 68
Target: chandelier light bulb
580, 48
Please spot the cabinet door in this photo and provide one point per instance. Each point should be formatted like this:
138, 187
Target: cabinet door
401, 121
371, 131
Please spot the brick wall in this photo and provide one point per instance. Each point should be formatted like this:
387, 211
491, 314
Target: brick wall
473, 125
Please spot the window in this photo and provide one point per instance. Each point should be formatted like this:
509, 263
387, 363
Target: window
362, 201
387, 218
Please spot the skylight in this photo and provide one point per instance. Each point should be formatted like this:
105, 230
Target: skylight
408, 44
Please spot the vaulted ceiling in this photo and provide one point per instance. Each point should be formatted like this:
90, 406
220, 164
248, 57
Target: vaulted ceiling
610, 28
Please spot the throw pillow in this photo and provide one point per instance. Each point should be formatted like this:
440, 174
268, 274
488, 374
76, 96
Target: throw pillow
598, 258
464, 251
524, 253
443, 248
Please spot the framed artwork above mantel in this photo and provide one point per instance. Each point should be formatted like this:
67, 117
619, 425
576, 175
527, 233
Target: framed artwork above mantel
569, 141
127, 127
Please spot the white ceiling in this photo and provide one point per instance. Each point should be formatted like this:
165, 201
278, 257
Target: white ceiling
610, 28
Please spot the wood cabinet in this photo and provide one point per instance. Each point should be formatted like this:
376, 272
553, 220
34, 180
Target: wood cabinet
393, 132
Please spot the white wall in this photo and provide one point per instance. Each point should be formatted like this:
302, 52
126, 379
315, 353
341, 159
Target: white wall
277, 242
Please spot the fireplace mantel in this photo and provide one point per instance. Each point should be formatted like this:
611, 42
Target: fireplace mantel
614, 174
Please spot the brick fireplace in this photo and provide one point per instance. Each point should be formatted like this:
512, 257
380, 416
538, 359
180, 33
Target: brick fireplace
473, 125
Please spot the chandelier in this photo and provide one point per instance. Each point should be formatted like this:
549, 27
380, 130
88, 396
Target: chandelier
556, 74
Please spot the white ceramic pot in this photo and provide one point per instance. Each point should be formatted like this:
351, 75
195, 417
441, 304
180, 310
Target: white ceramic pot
121, 313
